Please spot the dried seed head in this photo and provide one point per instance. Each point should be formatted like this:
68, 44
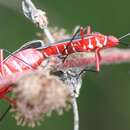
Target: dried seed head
58, 34
37, 95
37, 16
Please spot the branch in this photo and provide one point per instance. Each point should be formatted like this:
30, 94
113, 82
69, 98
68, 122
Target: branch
76, 114
38, 17
109, 56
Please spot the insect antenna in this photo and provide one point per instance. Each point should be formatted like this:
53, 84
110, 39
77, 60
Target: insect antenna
86, 70
122, 37
126, 35
5, 113
11, 54
67, 47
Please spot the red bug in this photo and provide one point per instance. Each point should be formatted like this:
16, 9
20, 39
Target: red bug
82, 43
31, 55
89, 42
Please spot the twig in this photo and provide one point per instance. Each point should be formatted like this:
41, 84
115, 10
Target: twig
109, 56
38, 17
76, 114
48, 35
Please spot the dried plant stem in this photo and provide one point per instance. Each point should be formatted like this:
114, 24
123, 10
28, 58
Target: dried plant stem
109, 56
76, 114
48, 35
38, 17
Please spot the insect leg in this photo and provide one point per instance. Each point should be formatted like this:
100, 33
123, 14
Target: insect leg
4, 90
11, 101
98, 58
1, 63
89, 30
86, 70
82, 33
68, 45
75, 29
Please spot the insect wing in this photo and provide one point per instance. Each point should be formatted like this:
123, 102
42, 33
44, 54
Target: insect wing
37, 44
23, 60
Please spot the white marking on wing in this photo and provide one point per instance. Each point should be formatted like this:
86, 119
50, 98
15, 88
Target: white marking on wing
105, 41
78, 43
65, 48
57, 50
90, 46
46, 55
7, 69
24, 60
17, 66
72, 45
98, 44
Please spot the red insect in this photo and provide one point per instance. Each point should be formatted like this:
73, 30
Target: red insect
31, 55
82, 43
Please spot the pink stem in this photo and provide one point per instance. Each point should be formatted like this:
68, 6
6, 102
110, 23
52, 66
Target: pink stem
108, 56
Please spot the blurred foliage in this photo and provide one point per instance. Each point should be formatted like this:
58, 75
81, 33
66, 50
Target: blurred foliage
104, 103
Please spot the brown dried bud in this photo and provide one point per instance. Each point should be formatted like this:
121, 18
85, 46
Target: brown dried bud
37, 95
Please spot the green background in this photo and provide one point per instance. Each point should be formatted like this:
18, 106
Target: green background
104, 102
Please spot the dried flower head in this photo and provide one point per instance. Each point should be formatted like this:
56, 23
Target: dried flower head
58, 34
37, 95
37, 16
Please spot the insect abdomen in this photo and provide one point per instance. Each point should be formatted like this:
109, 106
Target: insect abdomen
23, 60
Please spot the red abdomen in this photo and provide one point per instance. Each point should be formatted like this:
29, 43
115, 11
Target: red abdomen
21, 61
